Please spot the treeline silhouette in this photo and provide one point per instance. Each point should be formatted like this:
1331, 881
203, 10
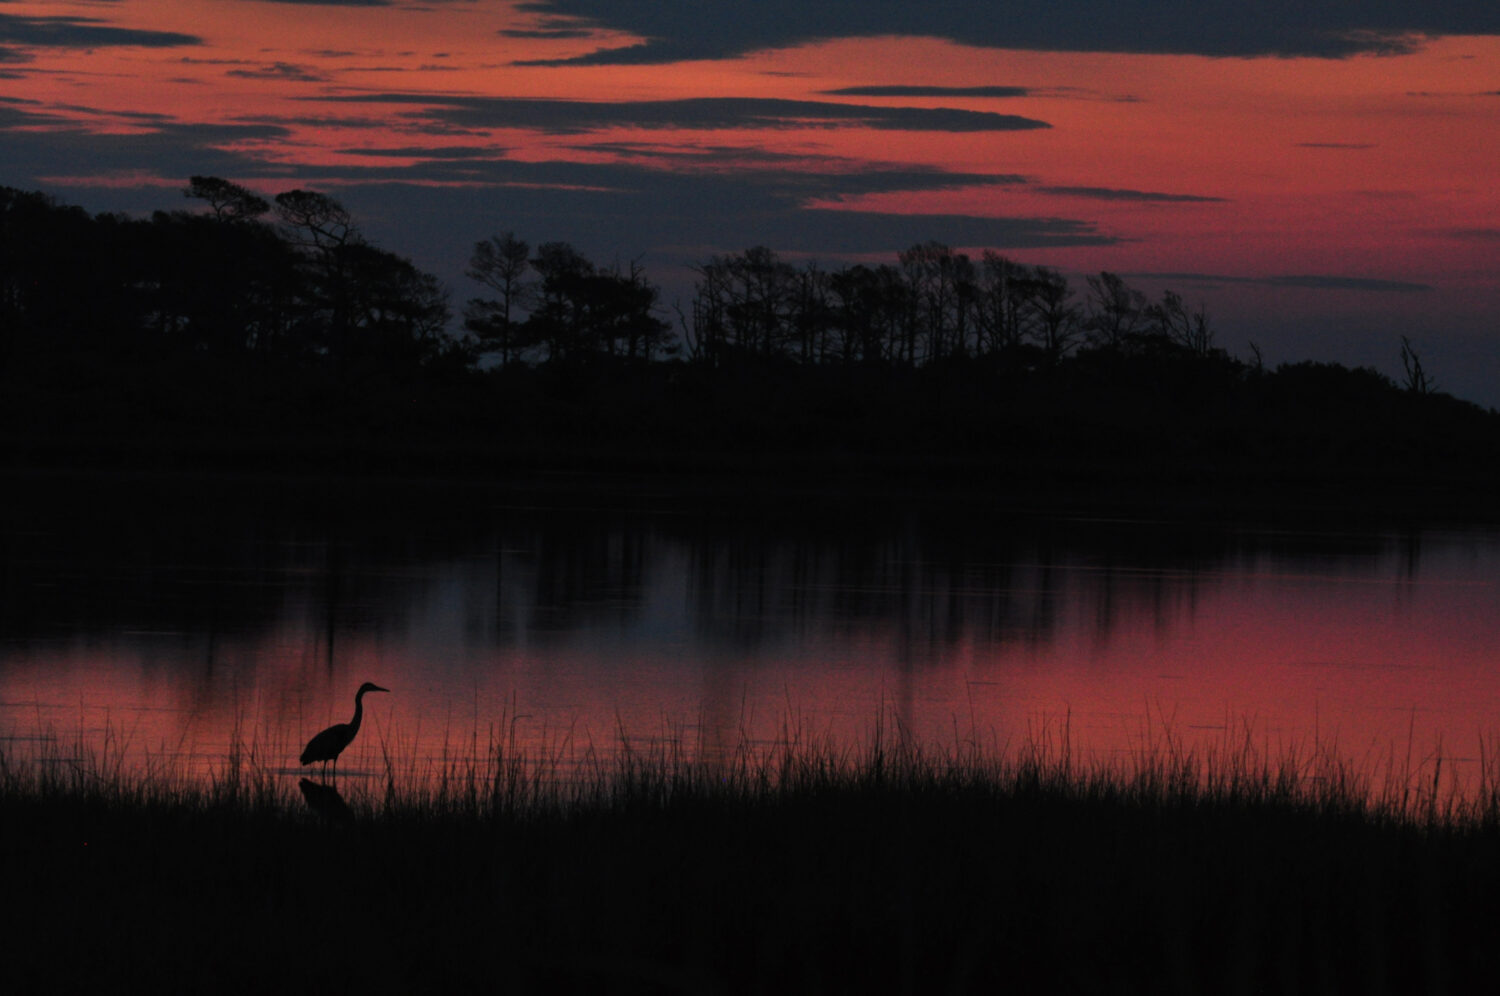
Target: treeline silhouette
254, 330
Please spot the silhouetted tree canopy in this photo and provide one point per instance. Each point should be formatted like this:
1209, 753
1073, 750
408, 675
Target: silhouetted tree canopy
500, 263
222, 282
228, 201
277, 319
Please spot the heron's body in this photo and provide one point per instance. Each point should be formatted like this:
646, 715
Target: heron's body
328, 745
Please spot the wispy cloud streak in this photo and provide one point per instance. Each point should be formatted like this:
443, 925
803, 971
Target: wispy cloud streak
699, 113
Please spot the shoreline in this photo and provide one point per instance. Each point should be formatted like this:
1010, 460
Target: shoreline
892, 871
704, 479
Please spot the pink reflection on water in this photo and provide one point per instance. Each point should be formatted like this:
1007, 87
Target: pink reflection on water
1383, 658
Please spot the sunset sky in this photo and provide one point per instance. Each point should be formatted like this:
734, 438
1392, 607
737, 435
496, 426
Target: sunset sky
1322, 175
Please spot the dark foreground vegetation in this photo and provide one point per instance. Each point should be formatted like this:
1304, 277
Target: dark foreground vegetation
802, 869
247, 334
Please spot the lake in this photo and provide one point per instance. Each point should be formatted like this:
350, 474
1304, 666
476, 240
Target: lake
154, 623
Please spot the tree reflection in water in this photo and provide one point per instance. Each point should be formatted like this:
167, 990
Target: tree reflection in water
199, 615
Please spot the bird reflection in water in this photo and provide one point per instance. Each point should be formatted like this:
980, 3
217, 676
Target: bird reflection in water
328, 745
326, 801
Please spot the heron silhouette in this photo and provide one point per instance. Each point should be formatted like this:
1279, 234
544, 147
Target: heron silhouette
328, 745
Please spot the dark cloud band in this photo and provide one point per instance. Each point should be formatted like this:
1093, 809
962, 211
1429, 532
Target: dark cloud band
929, 91
1116, 194
82, 32
703, 113
280, 71
676, 30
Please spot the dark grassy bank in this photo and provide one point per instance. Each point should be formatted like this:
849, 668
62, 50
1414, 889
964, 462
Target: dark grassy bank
1121, 422
801, 870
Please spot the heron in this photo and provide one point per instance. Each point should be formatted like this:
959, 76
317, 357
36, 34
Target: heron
328, 745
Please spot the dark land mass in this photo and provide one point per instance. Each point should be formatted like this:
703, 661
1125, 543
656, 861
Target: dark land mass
816, 876
220, 342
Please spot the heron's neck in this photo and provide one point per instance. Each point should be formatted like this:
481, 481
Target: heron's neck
359, 710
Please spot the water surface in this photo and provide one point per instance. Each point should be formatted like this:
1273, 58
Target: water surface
160, 624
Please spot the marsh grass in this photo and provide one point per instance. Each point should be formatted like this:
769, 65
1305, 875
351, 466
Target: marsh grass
791, 864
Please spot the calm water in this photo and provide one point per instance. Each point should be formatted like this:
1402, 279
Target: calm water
160, 623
